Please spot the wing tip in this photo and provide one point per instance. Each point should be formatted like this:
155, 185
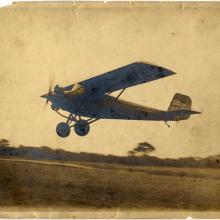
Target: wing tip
168, 72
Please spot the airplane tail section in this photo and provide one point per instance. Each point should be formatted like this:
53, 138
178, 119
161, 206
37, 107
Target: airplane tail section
181, 104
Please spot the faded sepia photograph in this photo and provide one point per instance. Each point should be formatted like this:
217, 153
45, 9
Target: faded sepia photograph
110, 110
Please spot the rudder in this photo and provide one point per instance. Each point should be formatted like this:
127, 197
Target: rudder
180, 102
180, 108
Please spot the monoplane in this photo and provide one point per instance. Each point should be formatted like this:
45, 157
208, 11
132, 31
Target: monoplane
90, 100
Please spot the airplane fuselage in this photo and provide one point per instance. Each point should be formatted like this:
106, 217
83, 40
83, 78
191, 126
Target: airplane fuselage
108, 107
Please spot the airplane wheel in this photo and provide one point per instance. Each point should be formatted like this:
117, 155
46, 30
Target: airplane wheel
81, 127
63, 129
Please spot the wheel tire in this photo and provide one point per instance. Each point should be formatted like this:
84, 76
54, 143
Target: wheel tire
63, 129
82, 128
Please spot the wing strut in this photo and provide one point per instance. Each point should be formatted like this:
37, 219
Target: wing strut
117, 97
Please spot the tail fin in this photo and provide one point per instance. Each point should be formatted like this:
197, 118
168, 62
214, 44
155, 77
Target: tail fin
181, 102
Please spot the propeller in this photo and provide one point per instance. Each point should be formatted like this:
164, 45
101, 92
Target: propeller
46, 96
49, 92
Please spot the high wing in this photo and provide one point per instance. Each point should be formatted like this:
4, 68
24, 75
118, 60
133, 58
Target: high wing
121, 78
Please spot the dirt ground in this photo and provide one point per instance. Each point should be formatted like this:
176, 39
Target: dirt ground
88, 185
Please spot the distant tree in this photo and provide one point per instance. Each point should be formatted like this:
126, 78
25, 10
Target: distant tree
142, 148
131, 153
4, 143
46, 148
21, 146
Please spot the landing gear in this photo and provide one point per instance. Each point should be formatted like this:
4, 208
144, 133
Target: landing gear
63, 129
82, 127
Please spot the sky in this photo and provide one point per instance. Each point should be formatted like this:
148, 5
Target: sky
67, 43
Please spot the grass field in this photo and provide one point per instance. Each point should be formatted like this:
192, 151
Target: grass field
94, 185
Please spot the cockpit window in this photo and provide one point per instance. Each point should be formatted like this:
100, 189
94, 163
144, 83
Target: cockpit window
76, 90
